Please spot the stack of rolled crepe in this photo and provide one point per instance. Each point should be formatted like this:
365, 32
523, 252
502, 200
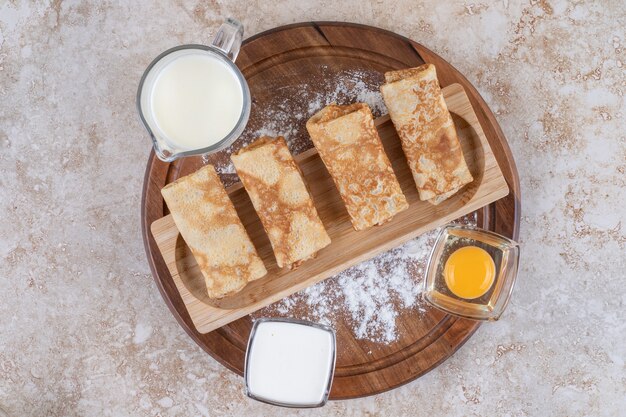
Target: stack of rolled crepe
207, 220
429, 140
282, 201
348, 143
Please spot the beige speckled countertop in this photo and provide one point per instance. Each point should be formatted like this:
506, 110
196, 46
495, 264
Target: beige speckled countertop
84, 330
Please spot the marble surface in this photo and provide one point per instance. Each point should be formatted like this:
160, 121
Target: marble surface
84, 329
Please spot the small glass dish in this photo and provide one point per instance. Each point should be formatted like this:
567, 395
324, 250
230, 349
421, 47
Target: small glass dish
490, 305
290, 362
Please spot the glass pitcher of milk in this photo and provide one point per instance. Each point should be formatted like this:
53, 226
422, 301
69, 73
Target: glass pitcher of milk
193, 99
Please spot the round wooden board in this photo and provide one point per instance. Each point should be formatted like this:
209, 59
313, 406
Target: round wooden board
295, 55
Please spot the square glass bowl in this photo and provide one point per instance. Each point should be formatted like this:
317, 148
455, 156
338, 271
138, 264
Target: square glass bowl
490, 305
289, 362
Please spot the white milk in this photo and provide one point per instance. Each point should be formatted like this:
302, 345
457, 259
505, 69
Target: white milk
196, 101
290, 363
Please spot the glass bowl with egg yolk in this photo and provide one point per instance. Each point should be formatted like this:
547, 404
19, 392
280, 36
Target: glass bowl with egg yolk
471, 272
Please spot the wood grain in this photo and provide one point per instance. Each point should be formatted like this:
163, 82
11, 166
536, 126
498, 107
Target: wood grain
291, 56
348, 246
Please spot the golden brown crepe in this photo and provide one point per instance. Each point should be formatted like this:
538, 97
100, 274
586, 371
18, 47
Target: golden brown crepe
427, 132
282, 201
207, 220
348, 143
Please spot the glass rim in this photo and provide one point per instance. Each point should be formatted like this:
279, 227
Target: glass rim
231, 136
320, 326
510, 241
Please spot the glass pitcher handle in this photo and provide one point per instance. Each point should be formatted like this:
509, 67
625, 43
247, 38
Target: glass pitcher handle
228, 38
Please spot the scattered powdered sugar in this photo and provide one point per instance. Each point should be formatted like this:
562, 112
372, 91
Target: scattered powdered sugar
349, 87
369, 296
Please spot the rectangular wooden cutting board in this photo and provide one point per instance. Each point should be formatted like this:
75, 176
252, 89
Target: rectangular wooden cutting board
348, 246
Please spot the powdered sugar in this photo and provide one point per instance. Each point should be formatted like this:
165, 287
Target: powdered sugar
370, 296
349, 87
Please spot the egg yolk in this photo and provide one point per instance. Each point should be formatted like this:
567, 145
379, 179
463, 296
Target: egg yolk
469, 272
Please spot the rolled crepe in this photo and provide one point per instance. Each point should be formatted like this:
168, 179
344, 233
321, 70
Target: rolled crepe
208, 222
427, 132
282, 201
348, 143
